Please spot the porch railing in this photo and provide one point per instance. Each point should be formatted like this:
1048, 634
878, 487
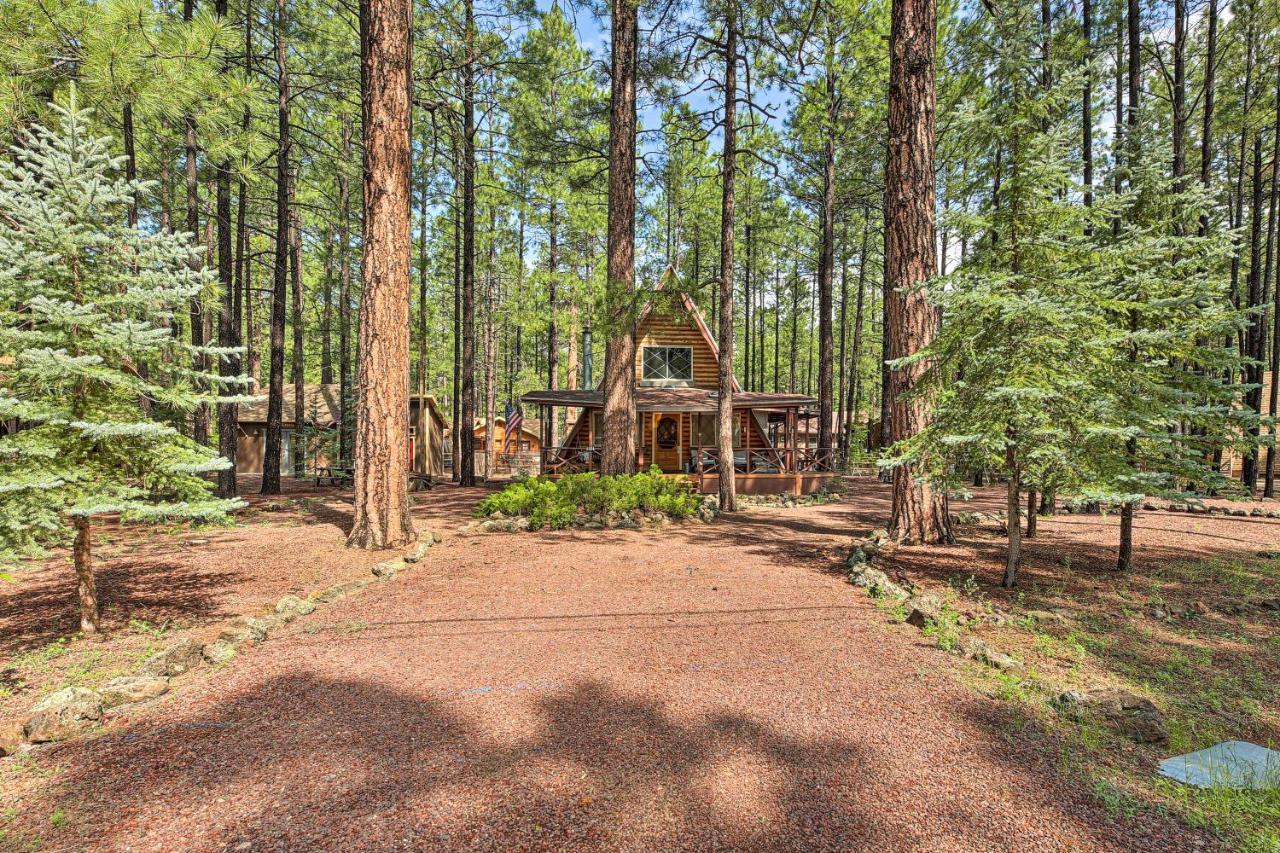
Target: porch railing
570, 460
704, 460
815, 459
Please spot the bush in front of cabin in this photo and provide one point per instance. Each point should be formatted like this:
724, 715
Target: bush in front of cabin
554, 503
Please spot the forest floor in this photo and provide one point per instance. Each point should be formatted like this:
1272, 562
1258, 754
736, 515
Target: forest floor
691, 686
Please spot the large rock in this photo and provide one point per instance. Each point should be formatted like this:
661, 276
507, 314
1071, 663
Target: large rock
173, 660
132, 688
12, 737
425, 540
984, 654
876, 582
923, 609
60, 715
388, 568
219, 653
295, 605
1136, 717
340, 590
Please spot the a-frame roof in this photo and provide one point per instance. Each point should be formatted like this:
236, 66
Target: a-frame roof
689, 306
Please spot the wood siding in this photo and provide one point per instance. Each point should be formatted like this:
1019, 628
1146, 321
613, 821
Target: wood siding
677, 329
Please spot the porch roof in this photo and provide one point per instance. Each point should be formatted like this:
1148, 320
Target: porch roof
670, 399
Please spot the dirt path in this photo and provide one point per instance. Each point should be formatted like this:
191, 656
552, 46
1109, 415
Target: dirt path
699, 687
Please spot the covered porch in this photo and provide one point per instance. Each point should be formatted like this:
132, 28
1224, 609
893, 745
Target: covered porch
676, 431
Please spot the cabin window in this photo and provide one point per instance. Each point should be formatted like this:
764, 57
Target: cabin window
662, 365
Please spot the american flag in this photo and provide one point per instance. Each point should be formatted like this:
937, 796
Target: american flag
515, 422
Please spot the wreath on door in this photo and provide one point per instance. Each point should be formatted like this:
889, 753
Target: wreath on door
667, 433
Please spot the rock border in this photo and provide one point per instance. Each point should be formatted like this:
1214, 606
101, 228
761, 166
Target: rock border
1131, 715
69, 711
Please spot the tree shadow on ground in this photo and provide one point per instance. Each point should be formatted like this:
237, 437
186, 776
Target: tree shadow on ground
307, 762
46, 607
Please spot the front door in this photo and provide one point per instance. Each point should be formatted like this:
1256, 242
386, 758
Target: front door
666, 443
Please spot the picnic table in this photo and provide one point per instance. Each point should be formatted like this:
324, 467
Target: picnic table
333, 475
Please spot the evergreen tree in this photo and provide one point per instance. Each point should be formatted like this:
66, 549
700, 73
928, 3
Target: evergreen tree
88, 350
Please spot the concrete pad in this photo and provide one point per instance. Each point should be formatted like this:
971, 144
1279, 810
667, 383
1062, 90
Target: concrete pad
1231, 764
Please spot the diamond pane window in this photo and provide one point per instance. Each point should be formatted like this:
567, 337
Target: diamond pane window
668, 363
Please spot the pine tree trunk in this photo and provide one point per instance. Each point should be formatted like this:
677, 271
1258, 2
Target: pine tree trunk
827, 254
490, 355
1086, 100
82, 559
280, 284
855, 385
844, 387
326, 309
1206, 133
1013, 524
919, 511
1269, 483
1179, 95
298, 367
464, 424
1032, 514
130, 162
1257, 324
618, 454
553, 332
424, 212
381, 501
455, 407
200, 417
725, 414
747, 326
344, 301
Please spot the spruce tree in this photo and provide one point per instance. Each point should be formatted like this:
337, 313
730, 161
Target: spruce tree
88, 358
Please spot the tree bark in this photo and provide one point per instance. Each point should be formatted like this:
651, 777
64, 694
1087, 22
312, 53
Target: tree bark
326, 309
1013, 524
490, 341
1086, 100
455, 407
1179, 98
1269, 482
344, 299
130, 162
827, 251
200, 417
553, 332
1257, 324
86, 588
919, 511
1206, 132
279, 293
855, 385
1032, 513
618, 454
725, 414
464, 424
381, 464
297, 369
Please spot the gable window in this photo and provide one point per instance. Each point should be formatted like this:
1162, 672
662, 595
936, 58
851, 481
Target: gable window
667, 365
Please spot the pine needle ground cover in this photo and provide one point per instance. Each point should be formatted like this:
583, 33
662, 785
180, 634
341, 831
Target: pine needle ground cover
554, 503
1194, 628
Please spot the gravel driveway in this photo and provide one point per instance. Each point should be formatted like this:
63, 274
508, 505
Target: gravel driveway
697, 687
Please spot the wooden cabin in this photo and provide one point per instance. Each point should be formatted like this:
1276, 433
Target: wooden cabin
321, 415
676, 392
518, 453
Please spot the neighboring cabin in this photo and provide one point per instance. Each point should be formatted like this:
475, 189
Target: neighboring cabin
676, 382
519, 455
321, 413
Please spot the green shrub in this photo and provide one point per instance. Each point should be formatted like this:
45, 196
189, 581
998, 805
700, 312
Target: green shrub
554, 503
